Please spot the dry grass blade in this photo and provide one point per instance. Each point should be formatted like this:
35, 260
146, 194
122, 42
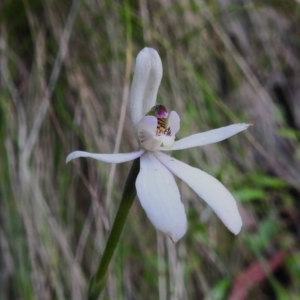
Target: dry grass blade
61, 55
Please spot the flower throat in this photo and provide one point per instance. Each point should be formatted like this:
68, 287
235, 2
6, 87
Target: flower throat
160, 112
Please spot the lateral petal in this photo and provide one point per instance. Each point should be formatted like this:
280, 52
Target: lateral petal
208, 188
110, 158
173, 122
147, 133
208, 137
160, 198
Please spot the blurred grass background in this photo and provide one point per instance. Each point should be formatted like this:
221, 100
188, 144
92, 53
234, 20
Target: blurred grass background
66, 69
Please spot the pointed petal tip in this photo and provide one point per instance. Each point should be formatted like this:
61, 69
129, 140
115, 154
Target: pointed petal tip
233, 222
236, 230
76, 154
70, 157
175, 236
251, 123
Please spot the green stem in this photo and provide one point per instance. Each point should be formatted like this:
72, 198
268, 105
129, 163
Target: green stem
98, 281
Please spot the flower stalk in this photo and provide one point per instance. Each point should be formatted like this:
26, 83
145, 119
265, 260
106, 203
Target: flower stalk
98, 281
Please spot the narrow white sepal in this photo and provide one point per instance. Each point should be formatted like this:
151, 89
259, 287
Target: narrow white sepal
145, 84
110, 158
208, 137
160, 198
208, 188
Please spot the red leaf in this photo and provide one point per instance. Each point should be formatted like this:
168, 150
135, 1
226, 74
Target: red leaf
253, 275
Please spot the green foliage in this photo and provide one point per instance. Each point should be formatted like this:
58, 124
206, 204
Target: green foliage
258, 242
249, 194
219, 290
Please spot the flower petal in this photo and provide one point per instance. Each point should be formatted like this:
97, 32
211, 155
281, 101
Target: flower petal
147, 133
110, 158
208, 188
145, 84
208, 137
147, 126
173, 122
160, 198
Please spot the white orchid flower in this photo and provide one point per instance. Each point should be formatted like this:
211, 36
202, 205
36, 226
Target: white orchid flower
155, 129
